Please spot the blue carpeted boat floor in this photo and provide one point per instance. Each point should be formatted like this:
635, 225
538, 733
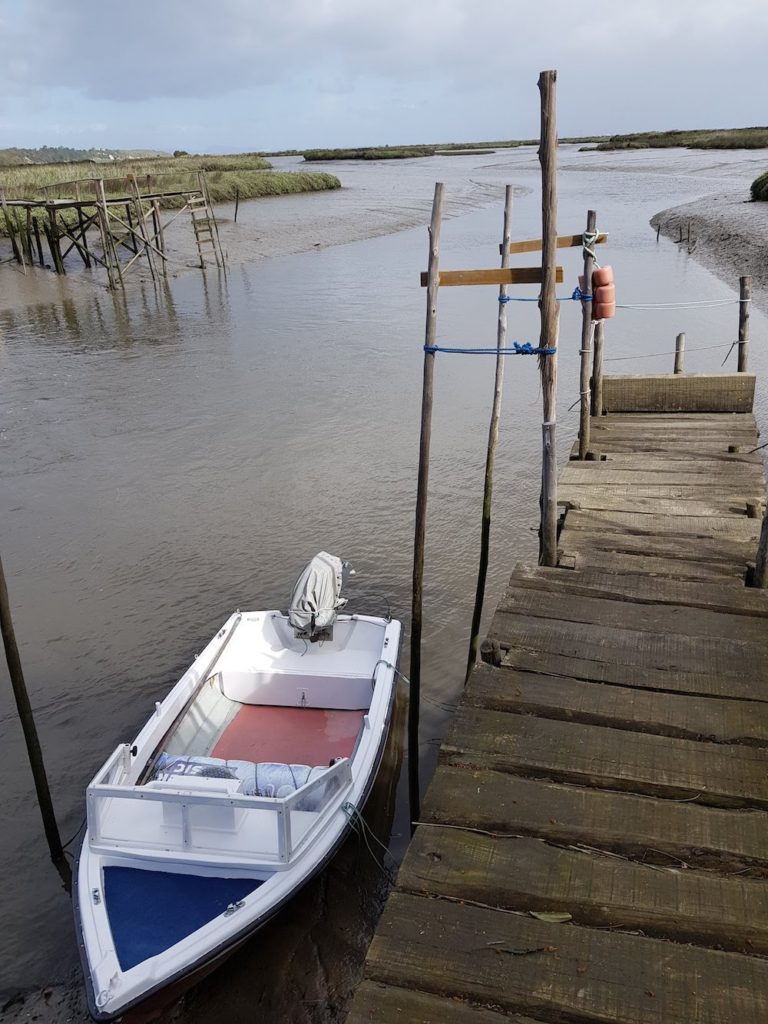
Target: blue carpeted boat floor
150, 911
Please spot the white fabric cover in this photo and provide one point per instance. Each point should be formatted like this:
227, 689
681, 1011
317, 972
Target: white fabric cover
316, 594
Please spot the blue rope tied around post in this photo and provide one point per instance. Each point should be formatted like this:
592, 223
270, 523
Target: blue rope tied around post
524, 349
578, 296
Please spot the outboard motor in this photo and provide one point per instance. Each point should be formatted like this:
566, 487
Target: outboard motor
316, 597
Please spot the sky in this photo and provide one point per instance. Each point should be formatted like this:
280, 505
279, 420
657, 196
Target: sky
249, 75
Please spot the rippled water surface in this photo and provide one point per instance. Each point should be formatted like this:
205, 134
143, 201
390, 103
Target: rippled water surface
170, 457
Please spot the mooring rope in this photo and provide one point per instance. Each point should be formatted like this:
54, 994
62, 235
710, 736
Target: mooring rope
697, 304
652, 355
589, 241
577, 296
363, 830
525, 349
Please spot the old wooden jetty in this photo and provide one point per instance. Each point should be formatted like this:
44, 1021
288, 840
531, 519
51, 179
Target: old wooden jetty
111, 222
594, 844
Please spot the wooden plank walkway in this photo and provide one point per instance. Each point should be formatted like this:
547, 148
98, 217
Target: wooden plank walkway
608, 764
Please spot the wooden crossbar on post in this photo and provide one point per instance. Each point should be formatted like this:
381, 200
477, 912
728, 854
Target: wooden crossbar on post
563, 242
495, 275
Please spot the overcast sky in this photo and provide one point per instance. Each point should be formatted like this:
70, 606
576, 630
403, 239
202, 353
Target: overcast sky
231, 75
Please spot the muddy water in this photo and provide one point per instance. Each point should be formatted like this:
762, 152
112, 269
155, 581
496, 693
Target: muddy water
168, 457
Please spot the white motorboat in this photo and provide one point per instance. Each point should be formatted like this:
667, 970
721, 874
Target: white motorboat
238, 789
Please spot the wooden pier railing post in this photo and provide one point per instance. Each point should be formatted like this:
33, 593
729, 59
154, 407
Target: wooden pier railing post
493, 439
430, 334
679, 352
550, 317
597, 369
31, 739
586, 340
745, 296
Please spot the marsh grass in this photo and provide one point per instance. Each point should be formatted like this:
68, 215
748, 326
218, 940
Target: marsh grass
248, 175
370, 153
712, 138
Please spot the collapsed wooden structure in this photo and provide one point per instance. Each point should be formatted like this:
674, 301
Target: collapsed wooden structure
111, 223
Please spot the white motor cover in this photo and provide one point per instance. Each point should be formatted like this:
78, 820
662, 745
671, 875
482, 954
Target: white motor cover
316, 594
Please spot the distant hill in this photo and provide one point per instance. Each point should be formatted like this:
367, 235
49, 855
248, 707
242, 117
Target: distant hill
66, 154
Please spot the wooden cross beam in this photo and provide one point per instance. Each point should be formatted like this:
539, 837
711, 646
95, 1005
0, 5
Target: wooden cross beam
507, 275
563, 242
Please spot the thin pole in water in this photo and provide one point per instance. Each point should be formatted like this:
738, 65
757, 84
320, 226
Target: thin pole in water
493, 439
586, 343
550, 317
30, 733
433, 280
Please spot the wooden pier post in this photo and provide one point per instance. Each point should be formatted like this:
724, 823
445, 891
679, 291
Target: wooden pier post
54, 241
597, 369
38, 242
81, 224
111, 258
237, 202
550, 317
9, 226
159, 239
31, 739
745, 296
430, 334
493, 439
587, 329
679, 353
142, 226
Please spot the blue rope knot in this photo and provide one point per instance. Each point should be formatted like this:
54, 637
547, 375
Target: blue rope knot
527, 349
505, 298
580, 296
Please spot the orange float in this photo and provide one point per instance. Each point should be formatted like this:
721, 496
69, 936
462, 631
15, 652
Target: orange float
603, 294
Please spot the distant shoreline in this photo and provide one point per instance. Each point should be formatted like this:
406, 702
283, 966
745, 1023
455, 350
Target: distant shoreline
729, 235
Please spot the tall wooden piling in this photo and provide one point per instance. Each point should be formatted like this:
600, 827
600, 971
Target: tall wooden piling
679, 353
745, 297
493, 438
550, 317
587, 329
111, 258
9, 226
31, 739
54, 240
430, 334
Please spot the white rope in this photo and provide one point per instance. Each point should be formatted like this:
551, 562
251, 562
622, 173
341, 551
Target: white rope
589, 241
700, 303
652, 355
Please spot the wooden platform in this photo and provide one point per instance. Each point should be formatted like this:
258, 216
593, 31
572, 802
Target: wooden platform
594, 843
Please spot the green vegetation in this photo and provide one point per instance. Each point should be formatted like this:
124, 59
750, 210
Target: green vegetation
66, 154
715, 138
245, 174
759, 188
370, 153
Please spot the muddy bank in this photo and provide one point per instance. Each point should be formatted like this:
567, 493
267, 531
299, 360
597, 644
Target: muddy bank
728, 235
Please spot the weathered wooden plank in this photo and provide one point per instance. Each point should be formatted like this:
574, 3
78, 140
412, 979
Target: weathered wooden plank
618, 706
726, 392
549, 655
719, 667
639, 524
668, 618
635, 826
375, 1003
599, 499
641, 589
726, 467
673, 546
669, 491
495, 275
524, 874
563, 242
741, 480
568, 973
720, 775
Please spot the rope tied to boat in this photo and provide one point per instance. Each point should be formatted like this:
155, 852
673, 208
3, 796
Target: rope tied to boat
363, 830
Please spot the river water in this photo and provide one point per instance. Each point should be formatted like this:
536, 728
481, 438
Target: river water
171, 456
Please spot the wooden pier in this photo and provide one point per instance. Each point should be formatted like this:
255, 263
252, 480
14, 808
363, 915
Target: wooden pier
593, 846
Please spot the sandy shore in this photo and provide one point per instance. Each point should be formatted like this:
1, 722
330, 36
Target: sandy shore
728, 235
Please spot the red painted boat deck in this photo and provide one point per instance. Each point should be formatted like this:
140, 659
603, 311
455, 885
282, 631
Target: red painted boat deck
313, 736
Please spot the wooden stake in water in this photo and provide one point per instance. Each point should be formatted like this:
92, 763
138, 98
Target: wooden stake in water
493, 438
433, 278
550, 317
745, 295
586, 344
30, 732
679, 353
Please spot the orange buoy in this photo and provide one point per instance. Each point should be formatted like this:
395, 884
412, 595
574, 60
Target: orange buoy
603, 294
